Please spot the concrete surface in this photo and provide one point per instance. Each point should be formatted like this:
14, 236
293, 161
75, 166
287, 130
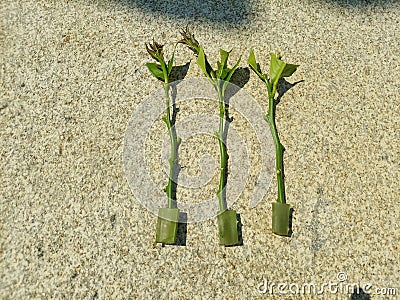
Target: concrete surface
72, 73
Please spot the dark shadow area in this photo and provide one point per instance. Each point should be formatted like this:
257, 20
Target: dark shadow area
239, 78
362, 3
290, 222
182, 230
283, 87
359, 294
232, 12
239, 229
179, 72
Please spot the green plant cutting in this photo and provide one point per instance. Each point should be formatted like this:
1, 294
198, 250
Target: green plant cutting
167, 222
219, 78
277, 70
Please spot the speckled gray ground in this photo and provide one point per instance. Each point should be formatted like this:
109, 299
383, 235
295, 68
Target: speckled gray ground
72, 73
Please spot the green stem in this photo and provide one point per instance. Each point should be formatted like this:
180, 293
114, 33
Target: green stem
270, 118
172, 136
173, 140
222, 149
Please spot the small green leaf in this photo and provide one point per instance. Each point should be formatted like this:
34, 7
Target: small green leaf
156, 70
170, 64
219, 69
222, 69
253, 64
289, 70
201, 61
165, 119
224, 57
212, 73
279, 68
252, 61
230, 73
276, 68
224, 73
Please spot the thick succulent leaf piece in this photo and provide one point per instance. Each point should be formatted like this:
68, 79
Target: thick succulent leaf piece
227, 227
279, 69
167, 225
156, 70
280, 218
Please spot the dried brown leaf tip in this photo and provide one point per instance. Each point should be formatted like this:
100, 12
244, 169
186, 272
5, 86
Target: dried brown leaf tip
155, 50
189, 40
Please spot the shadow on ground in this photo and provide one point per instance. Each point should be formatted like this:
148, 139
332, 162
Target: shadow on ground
362, 3
359, 294
234, 12
221, 11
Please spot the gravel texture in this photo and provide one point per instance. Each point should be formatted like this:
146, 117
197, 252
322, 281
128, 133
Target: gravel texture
72, 74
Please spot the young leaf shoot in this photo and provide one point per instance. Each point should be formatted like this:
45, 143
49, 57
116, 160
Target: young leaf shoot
219, 78
167, 222
278, 69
